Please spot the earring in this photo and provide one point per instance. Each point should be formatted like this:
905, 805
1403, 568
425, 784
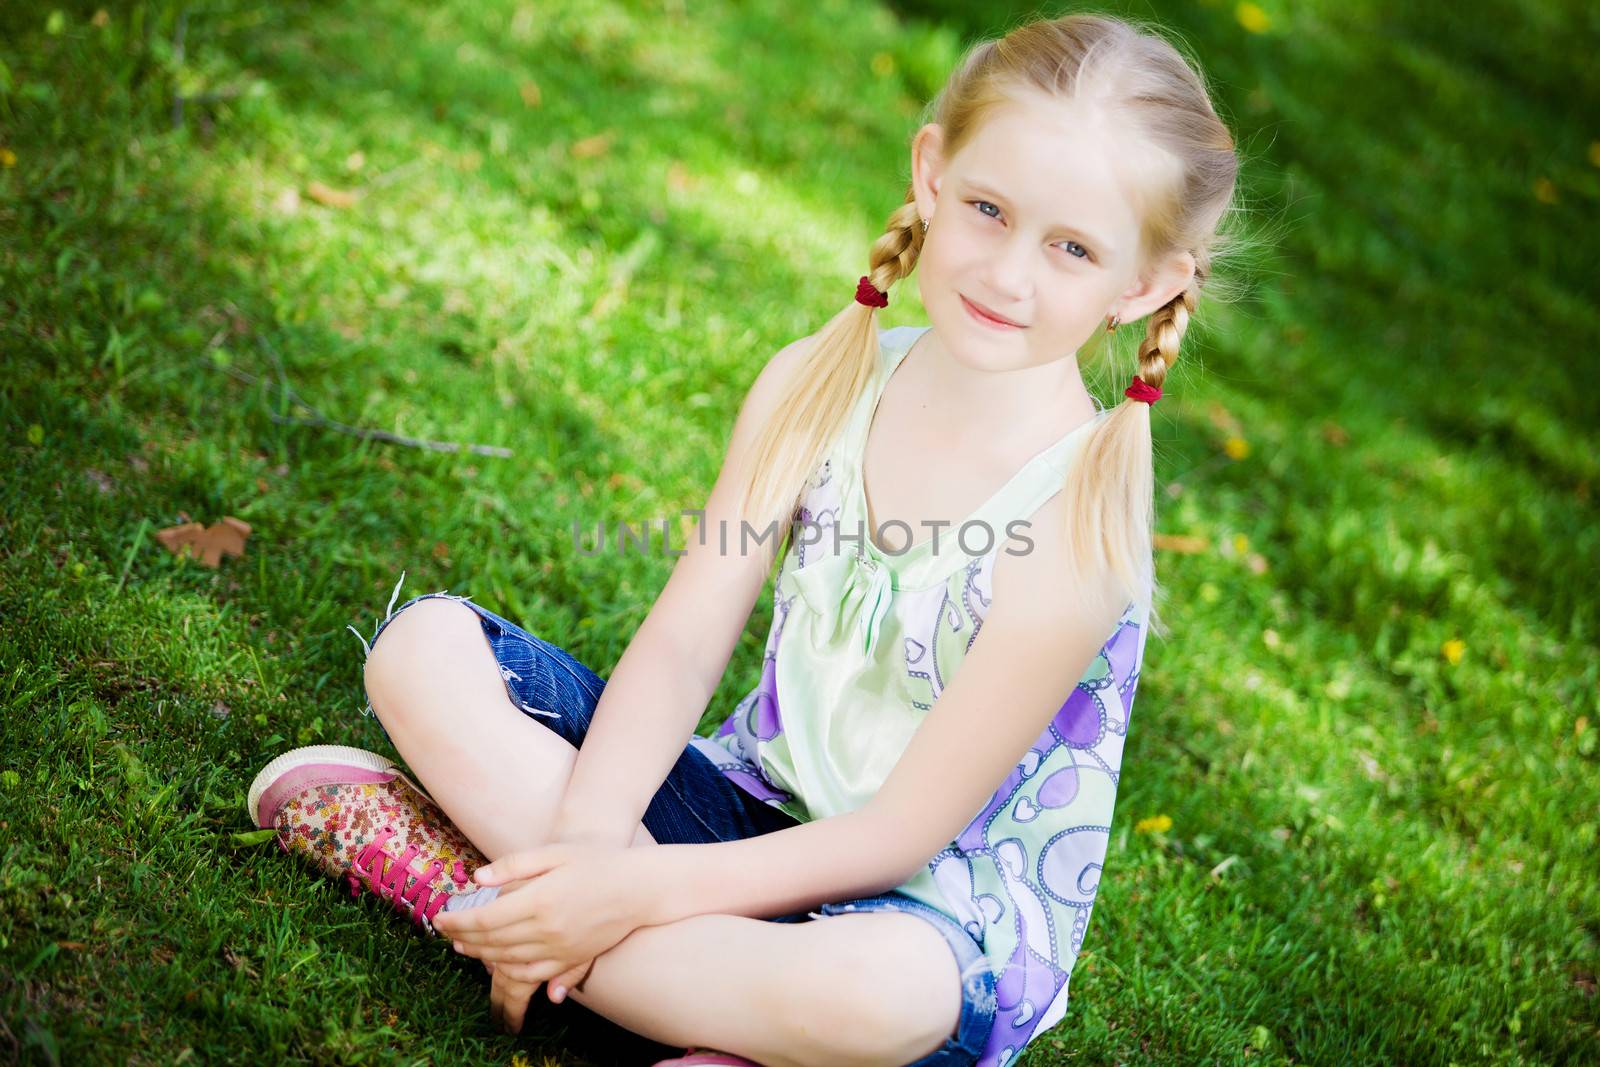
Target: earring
924, 225
1111, 323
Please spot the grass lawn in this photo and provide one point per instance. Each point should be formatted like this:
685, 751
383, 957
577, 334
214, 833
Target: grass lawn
1358, 818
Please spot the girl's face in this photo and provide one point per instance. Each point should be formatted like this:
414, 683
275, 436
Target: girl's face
1033, 221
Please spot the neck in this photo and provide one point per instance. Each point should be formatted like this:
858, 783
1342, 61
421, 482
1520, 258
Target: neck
1026, 407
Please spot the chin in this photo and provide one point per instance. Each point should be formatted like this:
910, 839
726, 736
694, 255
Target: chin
972, 345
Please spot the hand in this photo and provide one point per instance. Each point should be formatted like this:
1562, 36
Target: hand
508, 995
510, 991
574, 901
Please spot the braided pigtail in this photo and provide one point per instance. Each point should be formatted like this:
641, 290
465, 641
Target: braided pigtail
838, 366
1111, 488
1164, 332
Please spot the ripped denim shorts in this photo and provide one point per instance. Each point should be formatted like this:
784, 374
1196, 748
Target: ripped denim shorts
697, 803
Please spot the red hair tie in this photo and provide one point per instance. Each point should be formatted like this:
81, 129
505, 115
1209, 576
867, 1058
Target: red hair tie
870, 295
1142, 390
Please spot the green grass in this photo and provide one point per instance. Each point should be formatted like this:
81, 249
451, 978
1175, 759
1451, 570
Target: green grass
1376, 855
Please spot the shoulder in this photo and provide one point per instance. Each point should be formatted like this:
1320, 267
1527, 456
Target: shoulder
1031, 582
779, 374
775, 381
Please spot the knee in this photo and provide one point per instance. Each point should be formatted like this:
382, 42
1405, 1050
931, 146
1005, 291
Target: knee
416, 639
866, 1017
857, 1032
884, 1030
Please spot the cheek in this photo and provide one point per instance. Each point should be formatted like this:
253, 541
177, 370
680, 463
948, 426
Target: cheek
1072, 312
944, 255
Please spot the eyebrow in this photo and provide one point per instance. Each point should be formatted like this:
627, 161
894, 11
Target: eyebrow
1076, 231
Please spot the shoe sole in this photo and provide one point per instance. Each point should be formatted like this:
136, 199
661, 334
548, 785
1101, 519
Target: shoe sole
300, 769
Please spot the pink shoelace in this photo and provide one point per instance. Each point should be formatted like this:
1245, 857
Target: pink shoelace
386, 875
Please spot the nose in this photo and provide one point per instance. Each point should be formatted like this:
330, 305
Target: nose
1008, 272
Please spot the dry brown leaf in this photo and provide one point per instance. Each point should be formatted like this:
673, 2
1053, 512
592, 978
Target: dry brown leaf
598, 145
1335, 434
678, 176
208, 544
238, 962
1223, 419
1181, 543
328, 196
531, 97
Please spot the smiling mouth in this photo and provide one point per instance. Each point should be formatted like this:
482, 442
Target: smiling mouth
989, 318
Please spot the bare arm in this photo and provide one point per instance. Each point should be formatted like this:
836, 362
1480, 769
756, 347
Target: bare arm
660, 687
779, 873
1035, 645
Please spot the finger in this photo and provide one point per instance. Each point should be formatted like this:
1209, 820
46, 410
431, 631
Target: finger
526, 973
517, 1006
516, 906
519, 865
557, 988
497, 1002
514, 932
523, 946
509, 1002
523, 953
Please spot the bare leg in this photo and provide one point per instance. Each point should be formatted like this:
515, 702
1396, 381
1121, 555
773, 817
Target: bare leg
876, 989
872, 988
436, 687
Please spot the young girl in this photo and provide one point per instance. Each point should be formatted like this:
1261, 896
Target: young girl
889, 852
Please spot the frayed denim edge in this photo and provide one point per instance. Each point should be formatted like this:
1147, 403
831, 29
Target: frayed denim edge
506, 673
388, 613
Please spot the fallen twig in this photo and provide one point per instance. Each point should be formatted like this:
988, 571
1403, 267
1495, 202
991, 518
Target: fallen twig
318, 419
394, 174
385, 435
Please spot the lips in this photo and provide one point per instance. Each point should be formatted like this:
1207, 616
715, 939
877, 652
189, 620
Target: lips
989, 318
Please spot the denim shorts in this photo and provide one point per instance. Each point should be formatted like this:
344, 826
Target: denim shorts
697, 804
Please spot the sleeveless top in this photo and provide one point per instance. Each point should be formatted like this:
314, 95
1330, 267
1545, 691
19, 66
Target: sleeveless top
862, 643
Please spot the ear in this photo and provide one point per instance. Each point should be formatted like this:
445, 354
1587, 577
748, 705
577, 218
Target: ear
927, 166
1156, 287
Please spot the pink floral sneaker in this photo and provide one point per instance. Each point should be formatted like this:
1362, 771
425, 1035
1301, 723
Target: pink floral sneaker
355, 816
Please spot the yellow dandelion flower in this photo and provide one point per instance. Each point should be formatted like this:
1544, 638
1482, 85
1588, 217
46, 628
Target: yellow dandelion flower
883, 64
1453, 649
1241, 543
1544, 190
1594, 153
1159, 824
8, 158
1252, 18
1236, 447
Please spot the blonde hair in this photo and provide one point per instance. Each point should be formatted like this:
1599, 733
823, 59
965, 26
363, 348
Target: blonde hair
1142, 80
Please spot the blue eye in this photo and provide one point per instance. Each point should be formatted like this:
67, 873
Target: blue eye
981, 204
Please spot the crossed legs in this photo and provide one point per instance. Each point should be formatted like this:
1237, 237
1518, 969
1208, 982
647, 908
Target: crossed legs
876, 988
